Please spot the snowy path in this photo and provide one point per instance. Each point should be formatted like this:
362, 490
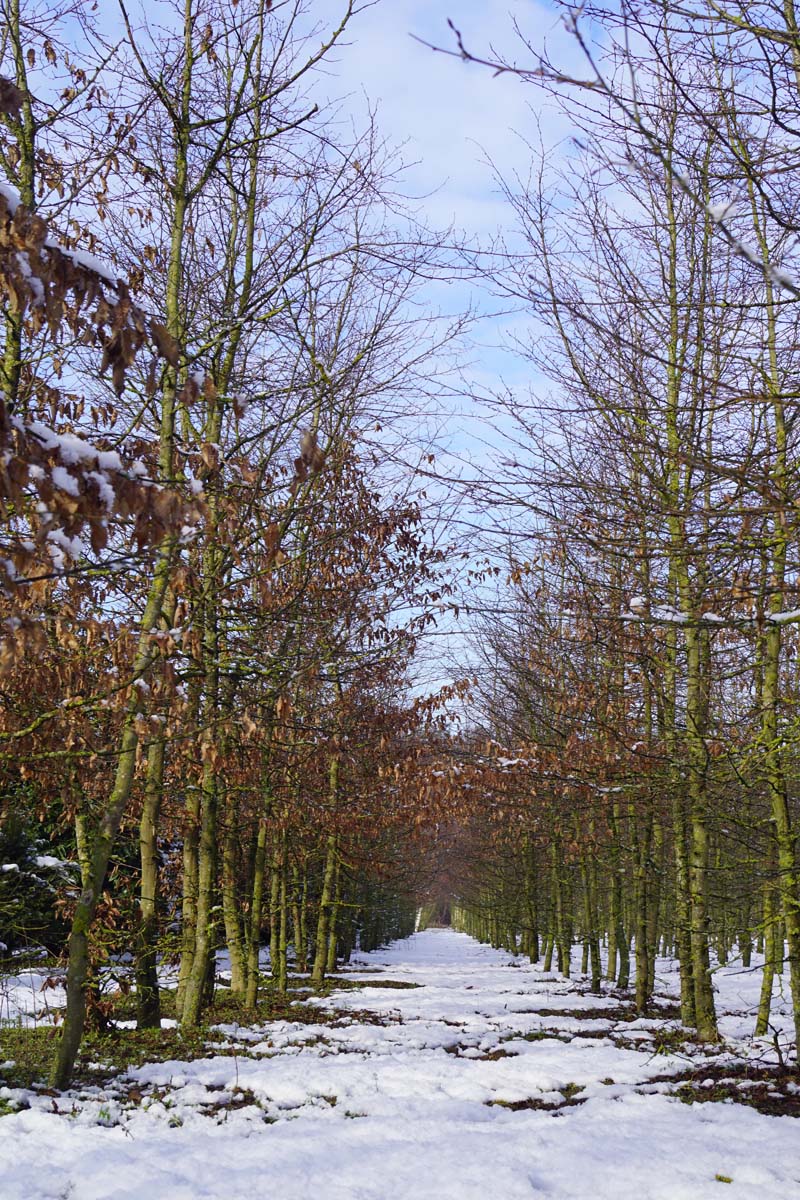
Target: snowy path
414, 1107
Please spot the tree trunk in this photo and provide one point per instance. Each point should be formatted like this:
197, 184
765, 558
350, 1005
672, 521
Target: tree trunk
91, 890
325, 904
148, 1003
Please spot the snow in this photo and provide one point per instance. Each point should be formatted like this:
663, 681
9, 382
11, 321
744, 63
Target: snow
57, 558
783, 278
82, 258
11, 196
785, 618
104, 488
108, 460
718, 212
28, 998
73, 546
34, 282
66, 482
74, 450
664, 613
402, 1097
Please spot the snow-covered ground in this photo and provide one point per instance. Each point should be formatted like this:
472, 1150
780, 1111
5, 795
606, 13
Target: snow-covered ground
488, 1079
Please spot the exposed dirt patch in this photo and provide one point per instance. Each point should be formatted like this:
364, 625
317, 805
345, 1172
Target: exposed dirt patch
612, 1014
404, 985
536, 1103
463, 1051
774, 1091
105, 1055
541, 1035
391, 984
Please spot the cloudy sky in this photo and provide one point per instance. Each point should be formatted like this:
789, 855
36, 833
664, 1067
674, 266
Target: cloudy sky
449, 115
450, 118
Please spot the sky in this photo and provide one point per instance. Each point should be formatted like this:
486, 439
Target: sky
457, 124
450, 115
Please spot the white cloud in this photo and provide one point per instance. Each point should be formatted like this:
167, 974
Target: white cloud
449, 115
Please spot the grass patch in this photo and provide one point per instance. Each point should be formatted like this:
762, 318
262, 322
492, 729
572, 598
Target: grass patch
30, 1052
102, 1055
460, 1050
570, 1092
109, 1052
541, 1035
611, 1014
335, 983
669, 1041
770, 1090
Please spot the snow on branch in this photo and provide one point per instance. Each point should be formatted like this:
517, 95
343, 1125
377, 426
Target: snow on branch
59, 494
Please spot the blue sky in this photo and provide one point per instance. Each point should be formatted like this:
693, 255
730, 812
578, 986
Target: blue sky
449, 114
450, 117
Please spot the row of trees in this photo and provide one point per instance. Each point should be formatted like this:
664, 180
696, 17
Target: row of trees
641, 688
213, 577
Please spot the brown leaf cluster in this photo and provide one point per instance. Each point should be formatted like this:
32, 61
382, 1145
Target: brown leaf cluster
309, 462
58, 492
